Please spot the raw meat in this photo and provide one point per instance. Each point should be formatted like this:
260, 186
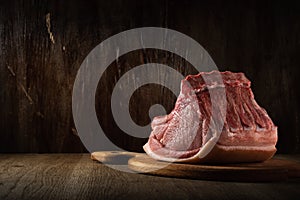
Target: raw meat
215, 119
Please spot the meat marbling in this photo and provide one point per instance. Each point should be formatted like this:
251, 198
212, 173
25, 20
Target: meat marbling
215, 119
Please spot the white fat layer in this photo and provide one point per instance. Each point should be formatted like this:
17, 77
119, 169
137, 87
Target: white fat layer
201, 154
205, 150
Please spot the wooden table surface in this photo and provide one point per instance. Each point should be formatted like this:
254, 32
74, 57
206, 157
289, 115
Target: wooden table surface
76, 176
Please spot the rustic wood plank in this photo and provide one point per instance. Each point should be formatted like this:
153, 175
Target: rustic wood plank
279, 168
37, 72
75, 176
271, 170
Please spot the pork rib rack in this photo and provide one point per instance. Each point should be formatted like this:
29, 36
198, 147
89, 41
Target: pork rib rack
215, 119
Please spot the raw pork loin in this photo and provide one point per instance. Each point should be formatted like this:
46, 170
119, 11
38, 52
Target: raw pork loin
215, 119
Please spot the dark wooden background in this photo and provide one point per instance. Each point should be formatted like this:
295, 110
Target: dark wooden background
38, 62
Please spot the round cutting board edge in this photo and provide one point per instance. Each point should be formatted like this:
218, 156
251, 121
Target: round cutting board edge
271, 170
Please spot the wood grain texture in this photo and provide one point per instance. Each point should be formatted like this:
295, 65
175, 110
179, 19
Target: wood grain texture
75, 176
109, 157
270, 170
279, 168
43, 43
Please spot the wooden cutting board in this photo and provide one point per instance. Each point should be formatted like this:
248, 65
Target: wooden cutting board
276, 169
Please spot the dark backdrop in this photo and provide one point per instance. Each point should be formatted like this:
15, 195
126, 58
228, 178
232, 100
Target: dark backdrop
38, 66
